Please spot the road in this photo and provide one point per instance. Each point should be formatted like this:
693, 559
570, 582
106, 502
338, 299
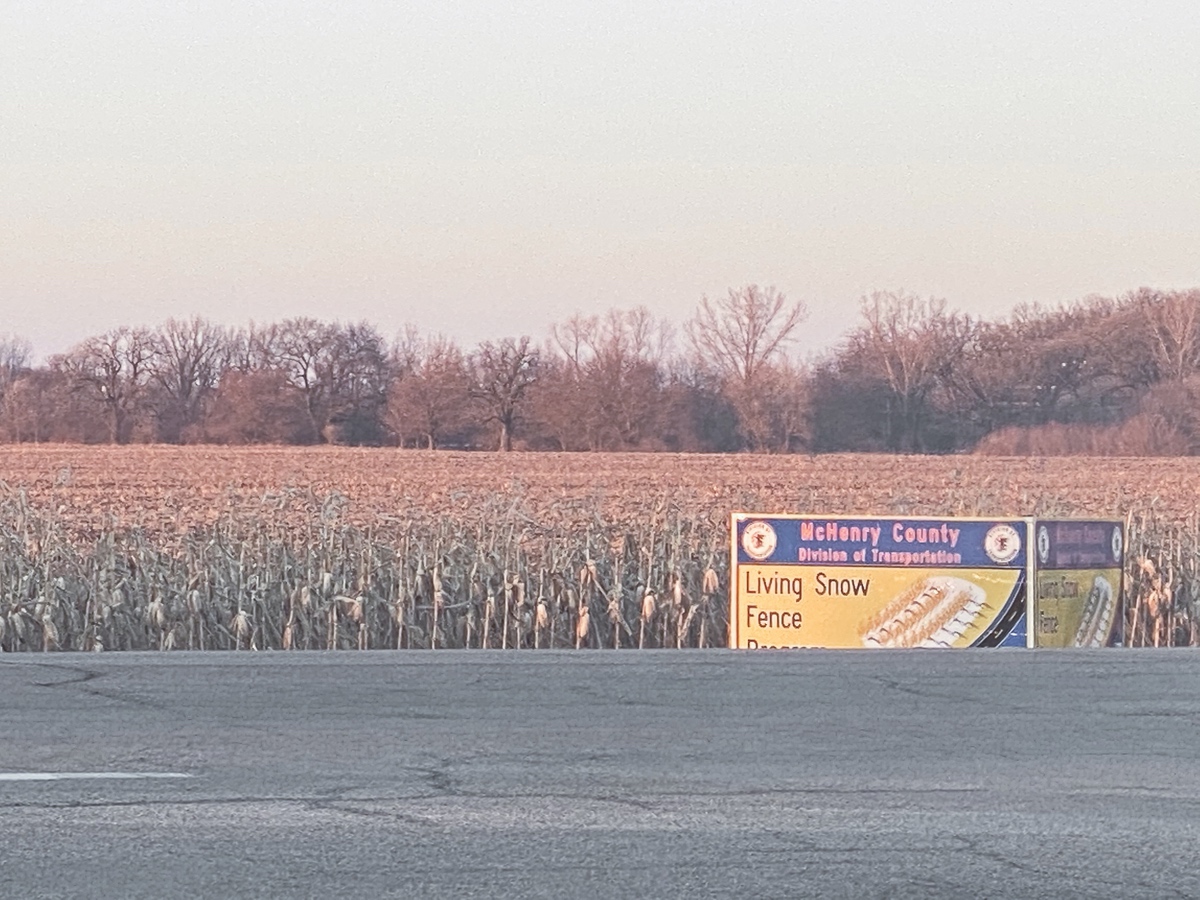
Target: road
600, 774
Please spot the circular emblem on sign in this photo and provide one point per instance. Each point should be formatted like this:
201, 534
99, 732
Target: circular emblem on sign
1002, 543
1043, 544
758, 540
1116, 544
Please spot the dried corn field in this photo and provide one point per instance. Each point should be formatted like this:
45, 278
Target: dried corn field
322, 548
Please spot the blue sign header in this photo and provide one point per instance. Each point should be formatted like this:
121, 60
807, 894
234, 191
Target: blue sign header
1077, 544
892, 542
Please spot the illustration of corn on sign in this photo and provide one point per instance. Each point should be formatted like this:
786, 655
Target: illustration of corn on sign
807, 581
1078, 583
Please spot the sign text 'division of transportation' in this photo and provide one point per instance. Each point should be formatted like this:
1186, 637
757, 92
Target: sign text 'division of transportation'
809, 581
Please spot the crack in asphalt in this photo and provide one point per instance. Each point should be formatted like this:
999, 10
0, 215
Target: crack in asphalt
352, 805
338, 799
82, 676
438, 777
340, 806
1055, 874
926, 693
1191, 718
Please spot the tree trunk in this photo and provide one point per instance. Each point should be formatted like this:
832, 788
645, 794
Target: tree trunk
116, 424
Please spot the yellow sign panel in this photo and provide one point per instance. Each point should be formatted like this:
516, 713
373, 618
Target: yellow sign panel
1077, 608
867, 607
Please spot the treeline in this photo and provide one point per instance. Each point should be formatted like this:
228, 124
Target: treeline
1103, 375
1106, 376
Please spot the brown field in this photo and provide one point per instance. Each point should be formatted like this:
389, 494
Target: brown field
170, 489
332, 547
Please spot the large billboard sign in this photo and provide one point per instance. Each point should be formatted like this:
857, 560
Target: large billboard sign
809, 581
1078, 567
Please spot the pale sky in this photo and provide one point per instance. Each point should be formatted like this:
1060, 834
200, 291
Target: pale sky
483, 169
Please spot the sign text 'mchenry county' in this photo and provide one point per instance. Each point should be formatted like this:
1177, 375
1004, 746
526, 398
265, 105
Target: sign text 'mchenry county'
906, 543
901, 533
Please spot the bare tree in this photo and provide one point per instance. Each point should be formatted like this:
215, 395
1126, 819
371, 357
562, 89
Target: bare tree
742, 337
430, 400
258, 406
600, 386
775, 415
357, 372
744, 331
501, 375
561, 399
404, 359
625, 375
15, 355
407, 349
189, 357
299, 349
913, 344
1173, 321
112, 370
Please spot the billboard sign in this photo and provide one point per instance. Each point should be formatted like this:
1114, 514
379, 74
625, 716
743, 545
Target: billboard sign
828, 581
1078, 567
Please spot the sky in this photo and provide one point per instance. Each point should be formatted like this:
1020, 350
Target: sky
483, 169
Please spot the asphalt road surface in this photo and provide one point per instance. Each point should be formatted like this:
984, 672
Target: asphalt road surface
586, 775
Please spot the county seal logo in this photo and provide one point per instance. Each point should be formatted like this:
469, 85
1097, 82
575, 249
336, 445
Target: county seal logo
759, 540
1043, 544
1002, 543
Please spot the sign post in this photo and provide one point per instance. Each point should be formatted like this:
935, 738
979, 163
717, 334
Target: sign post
878, 582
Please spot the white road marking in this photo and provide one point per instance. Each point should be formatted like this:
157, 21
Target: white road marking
86, 776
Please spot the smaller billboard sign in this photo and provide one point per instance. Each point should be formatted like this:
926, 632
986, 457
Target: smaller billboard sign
878, 582
1078, 568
